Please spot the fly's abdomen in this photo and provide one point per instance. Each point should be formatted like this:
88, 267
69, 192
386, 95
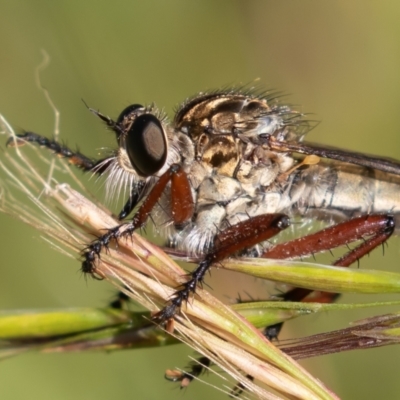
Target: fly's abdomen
339, 191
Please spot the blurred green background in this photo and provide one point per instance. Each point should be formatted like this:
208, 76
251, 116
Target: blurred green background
339, 60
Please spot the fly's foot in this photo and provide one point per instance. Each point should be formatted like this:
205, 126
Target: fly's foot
194, 370
182, 295
174, 305
91, 254
166, 314
271, 332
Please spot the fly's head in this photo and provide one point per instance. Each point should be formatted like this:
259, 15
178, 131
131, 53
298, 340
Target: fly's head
145, 148
142, 141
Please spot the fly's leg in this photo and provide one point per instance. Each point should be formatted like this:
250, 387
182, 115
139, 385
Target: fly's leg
182, 210
78, 160
74, 157
239, 388
194, 370
377, 227
136, 195
182, 202
298, 294
233, 239
119, 301
82, 162
334, 236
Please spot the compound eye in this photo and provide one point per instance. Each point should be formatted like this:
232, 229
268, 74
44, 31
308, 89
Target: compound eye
128, 111
146, 145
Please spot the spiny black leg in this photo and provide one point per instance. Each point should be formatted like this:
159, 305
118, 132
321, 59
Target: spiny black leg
271, 332
74, 157
183, 294
194, 370
136, 195
119, 301
92, 252
240, 388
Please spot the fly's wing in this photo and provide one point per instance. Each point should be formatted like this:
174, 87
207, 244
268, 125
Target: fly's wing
383, 164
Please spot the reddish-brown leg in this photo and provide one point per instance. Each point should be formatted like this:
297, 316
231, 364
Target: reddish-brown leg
334, 236
377, 227
181, 212
234, 239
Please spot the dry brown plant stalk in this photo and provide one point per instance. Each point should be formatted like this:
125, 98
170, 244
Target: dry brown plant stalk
68, 219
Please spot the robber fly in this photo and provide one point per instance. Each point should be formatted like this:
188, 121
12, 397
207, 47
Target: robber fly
230, 172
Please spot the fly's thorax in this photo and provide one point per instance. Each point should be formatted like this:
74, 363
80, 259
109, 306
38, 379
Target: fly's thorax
230, 113
227, 131
233, 173
230, 191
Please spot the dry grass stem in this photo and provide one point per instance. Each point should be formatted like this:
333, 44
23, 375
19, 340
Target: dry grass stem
68, 220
